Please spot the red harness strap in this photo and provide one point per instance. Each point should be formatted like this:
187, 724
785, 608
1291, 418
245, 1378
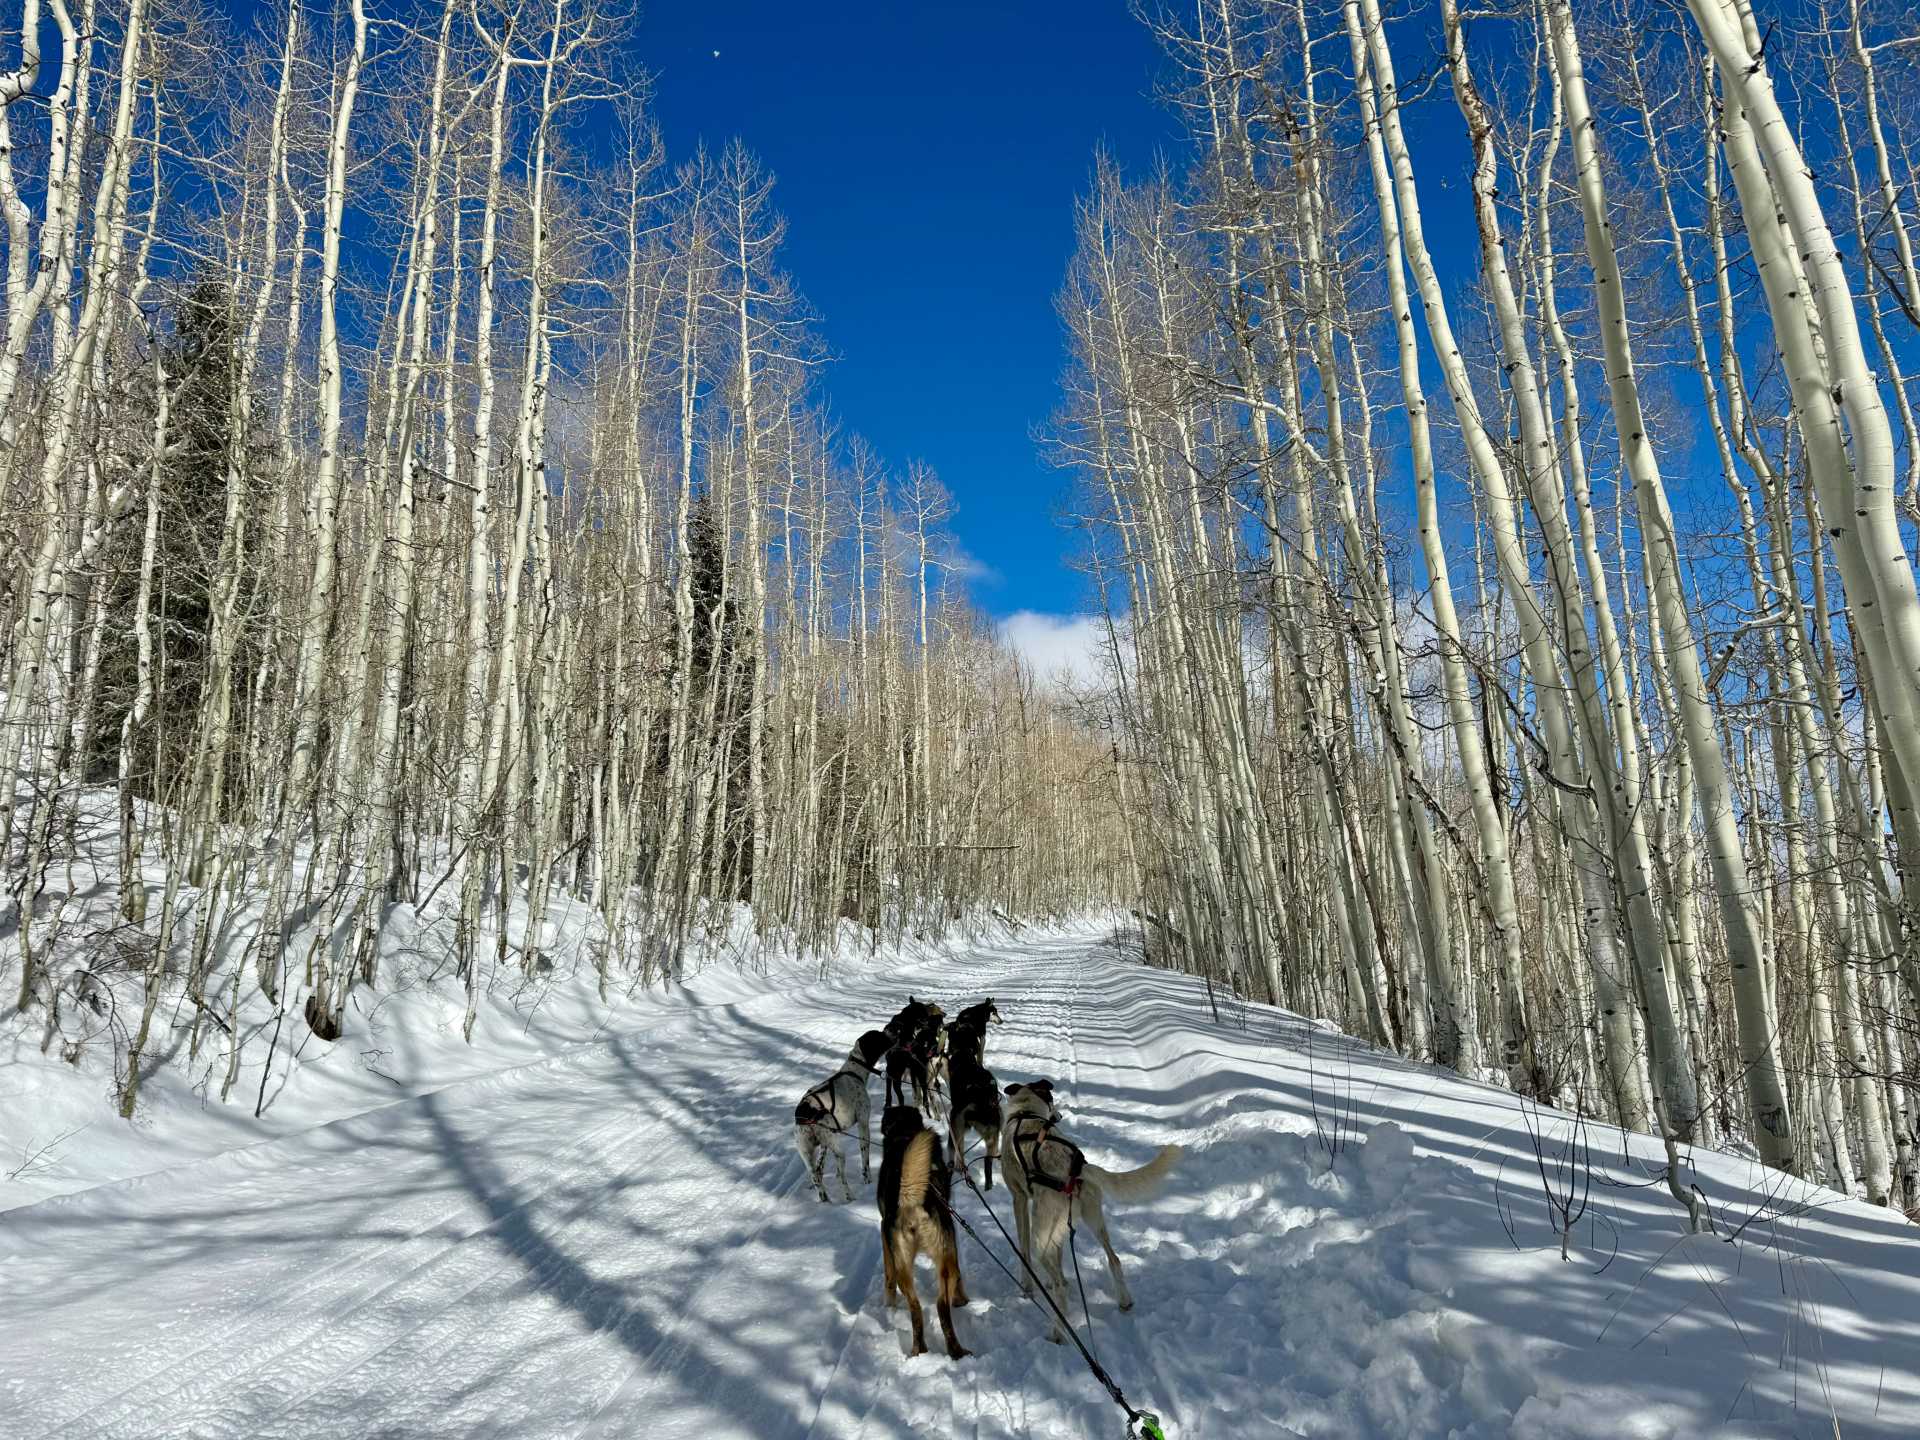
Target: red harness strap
1032, 1139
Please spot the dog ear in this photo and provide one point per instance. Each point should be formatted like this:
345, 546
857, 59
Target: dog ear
1014, 1089
1045, 1087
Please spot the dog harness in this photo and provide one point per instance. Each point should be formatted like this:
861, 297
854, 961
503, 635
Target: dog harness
1032, 1131
822, 1112
919, 1051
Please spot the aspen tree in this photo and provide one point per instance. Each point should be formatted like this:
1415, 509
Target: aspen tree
1854, 474
1766, 1085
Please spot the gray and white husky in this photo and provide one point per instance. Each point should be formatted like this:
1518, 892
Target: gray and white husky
836, 1108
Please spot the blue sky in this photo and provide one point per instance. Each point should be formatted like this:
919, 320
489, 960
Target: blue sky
928, 160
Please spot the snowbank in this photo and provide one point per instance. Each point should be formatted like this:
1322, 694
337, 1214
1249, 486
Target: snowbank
60, 1130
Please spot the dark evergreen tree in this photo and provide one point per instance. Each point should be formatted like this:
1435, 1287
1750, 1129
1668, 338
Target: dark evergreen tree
715, 612
198, 363
721, 677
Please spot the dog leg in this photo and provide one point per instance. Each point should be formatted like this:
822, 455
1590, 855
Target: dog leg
810, 1157
890, 1289
910, 1287
1050, 1241
952, 1293
960, 1296
1056, 1281
866, 1143
1023, 1232
992, 1146
840, 1168
1099, 1226
1056, 1274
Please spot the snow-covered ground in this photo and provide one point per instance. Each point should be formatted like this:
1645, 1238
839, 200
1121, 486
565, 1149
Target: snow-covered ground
59, 1125
615, 1238
405, 1035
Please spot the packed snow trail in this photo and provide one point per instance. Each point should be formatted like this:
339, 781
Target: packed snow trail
621, 1242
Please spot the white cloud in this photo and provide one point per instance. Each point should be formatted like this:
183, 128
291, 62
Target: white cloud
1073, 648
970, 568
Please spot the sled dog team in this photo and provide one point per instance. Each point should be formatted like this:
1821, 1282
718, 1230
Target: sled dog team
1052, 1183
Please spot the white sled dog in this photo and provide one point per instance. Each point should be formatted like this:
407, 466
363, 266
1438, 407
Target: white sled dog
835, 1108
1054, 1184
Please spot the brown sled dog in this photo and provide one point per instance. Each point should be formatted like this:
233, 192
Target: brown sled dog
914, 1193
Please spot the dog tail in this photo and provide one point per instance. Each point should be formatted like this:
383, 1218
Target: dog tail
919, 1167
1135, 1184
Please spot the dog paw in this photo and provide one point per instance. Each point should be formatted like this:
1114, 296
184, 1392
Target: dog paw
1127, 1304
959, 1353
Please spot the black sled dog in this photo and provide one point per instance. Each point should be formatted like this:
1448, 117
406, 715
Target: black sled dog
973, 1100
918, 1057
967, 1032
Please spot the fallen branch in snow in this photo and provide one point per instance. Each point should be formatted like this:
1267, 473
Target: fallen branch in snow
452, 865
33, 1159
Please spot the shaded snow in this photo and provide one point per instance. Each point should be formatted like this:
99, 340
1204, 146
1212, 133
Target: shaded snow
618, 1239
59, 1125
